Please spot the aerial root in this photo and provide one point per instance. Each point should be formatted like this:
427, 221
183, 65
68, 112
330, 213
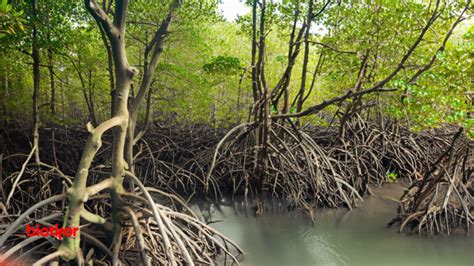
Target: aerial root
444, 199
299, 170
380, 153
153, 231
314, 166
186, 238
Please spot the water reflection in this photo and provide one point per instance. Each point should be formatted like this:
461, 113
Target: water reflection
339, 237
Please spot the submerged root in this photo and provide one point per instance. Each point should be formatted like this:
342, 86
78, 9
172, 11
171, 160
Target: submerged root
444, 199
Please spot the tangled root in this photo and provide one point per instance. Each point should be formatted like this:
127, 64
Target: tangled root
443, 199
299, 169
175, 157
373, 152
163, 233
149, 232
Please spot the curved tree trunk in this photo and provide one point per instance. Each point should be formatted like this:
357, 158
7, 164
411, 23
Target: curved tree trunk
124, 74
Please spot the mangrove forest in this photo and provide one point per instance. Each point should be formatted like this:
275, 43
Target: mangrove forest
236, 132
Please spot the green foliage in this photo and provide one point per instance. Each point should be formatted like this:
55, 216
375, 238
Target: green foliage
11, 20
391, 177
226, 65
204, 72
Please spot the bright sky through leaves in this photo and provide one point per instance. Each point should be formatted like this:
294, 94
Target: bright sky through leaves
233, 8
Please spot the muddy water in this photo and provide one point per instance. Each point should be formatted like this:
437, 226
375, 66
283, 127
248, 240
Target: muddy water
339, 237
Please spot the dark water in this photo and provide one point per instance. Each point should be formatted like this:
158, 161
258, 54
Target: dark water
339, 237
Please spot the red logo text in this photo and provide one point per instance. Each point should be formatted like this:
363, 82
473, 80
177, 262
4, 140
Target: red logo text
53, 231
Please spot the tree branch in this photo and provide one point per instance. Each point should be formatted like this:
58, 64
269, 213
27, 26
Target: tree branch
101, 17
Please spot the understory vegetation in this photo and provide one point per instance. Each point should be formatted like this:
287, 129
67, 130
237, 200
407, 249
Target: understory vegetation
115, 114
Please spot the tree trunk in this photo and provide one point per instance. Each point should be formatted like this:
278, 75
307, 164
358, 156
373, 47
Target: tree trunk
86, 91
262, 115
299, 104
93, 112
155, 46
51, 79
5, 97
63, 105
254, 51
110, 67
124, 74
36, 82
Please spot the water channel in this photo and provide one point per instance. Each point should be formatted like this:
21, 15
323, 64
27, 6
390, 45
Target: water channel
339, 237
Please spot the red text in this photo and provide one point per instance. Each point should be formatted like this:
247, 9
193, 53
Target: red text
53, 231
